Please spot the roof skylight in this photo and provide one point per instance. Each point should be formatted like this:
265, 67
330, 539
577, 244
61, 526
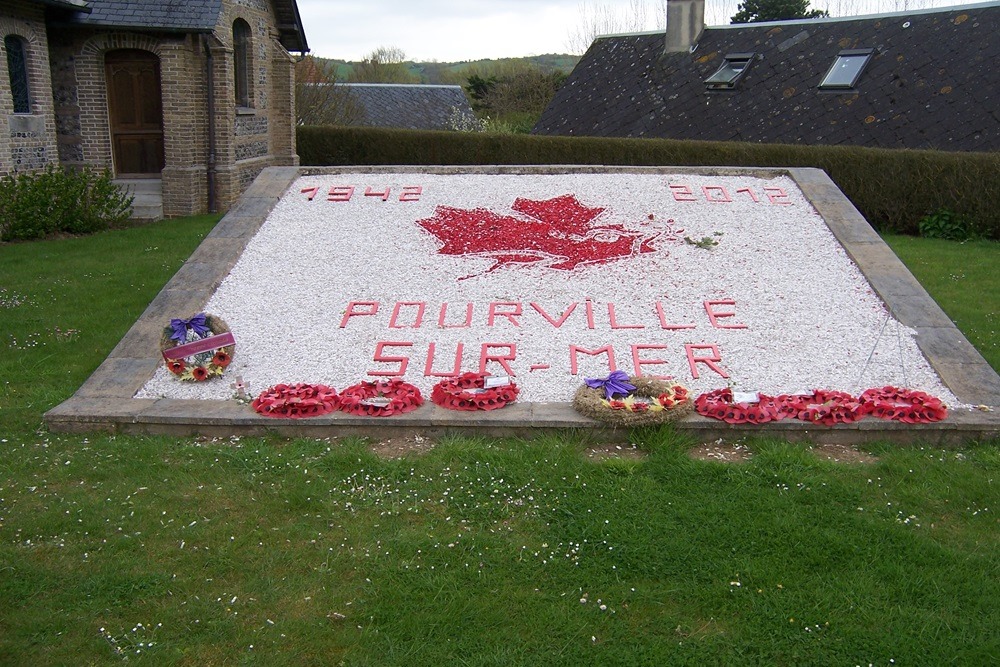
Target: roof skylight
846, 69
728, 74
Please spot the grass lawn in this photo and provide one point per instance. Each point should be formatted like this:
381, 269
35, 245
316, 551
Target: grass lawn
964, 278
167, 551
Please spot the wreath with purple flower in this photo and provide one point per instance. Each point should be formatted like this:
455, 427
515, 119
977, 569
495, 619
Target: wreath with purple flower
632, 401
198, 348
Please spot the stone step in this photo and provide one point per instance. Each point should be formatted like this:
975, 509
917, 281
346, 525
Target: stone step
147, 193
146, 212
142, 185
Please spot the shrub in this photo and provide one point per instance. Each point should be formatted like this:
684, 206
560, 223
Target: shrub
945, 224
35, 204
517, 122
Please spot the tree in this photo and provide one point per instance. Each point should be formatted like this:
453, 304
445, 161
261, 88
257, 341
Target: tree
478, 87
318, 100
604, 19
386, 64
527, 91
756, 11
511, 93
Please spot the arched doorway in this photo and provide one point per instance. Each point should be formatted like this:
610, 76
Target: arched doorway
135, 112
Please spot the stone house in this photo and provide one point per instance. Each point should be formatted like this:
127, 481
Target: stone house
919, 79
187, 99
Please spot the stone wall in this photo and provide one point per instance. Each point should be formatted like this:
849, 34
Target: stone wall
262, 135
27, 140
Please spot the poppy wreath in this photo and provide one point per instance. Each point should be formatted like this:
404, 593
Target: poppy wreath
905, 405
828, 407
665, 402
209, 341
454, 393
380, 399
296, 401
719, 404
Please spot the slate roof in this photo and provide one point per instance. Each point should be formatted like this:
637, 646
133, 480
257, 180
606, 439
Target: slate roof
409, 106
184, 16
75, 5
173, 15
933, 82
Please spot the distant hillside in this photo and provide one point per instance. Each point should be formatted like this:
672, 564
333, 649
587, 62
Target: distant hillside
452, 73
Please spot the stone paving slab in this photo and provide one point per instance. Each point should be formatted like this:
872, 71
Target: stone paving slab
95, 414
118, 379
213, 418
105, 401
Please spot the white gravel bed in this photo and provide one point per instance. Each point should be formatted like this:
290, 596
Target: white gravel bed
812, 321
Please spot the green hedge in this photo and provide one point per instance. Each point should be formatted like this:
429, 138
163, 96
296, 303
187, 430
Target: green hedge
893, 189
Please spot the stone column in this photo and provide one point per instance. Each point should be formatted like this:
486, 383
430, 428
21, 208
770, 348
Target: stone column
185, 121
282, 123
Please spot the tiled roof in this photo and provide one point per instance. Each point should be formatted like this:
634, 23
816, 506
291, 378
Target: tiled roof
932, 82
410, 106
182, 15
185, 16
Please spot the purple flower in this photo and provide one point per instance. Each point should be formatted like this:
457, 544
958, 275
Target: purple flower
180, 327
616, 383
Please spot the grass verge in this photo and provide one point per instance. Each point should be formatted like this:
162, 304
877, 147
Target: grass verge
65, 303
179, 552
965, 281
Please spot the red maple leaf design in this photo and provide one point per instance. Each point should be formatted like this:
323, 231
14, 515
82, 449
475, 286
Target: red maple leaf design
556, 232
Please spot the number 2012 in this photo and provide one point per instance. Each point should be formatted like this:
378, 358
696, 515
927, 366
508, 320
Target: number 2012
716, 194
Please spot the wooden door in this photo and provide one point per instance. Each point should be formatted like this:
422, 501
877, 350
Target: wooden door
135, 111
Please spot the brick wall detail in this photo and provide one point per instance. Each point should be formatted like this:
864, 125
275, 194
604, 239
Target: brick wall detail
250, 125
27, 141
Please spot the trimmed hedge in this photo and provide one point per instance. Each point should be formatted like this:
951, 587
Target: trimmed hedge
893, 189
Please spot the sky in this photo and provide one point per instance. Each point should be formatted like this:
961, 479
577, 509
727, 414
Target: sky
461, 30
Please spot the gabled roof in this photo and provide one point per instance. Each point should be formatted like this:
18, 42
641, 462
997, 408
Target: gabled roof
933, 81
410, 106
184, 16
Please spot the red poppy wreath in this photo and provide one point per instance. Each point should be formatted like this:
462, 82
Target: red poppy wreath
828, 407
720, 404
380, 399
825, 407
296, 401
467, 392
198, 348
905, 405
819, 407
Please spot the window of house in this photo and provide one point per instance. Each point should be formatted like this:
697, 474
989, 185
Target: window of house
17, 69
732, 69
241, 61
846, 69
